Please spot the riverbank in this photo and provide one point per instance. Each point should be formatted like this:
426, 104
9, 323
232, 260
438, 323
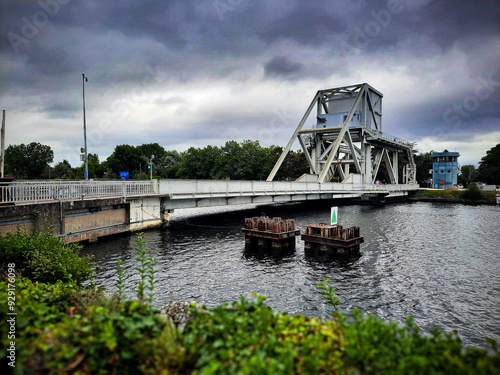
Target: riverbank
451, 196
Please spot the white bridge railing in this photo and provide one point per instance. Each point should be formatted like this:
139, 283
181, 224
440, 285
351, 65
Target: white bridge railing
36, 191
179, 189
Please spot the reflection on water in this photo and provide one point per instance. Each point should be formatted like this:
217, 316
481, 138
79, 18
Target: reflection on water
438, 262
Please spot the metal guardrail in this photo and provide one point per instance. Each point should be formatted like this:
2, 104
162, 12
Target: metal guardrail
36, 191
393, 139
179, 189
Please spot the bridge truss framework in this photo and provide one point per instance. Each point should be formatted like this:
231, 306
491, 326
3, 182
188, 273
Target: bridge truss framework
347, 141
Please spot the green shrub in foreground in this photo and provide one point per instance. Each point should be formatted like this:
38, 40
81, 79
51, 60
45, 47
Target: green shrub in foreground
43, 257
377, 346
63, 328
248, 337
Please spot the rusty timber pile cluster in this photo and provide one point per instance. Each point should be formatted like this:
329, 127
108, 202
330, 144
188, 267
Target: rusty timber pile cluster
274, 225
332, 239
332, 231
273, 232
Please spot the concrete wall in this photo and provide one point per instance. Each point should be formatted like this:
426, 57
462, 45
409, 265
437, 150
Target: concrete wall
91, 220
83, 220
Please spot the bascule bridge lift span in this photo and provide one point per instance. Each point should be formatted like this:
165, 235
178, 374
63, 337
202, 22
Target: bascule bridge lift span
346, 142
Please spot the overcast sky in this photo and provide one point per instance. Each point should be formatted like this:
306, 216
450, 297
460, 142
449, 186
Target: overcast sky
193, 73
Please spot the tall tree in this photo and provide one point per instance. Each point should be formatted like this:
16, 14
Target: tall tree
96, 169
151, 149
168, 164
424, 164
489, 166
468, 174
125, 158
27, 161
198, 163
227, 161
294, 166
62, 169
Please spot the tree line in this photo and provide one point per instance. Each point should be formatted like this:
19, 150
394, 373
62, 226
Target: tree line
246, 160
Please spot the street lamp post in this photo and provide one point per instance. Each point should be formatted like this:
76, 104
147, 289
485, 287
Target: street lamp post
151, 166
85, 79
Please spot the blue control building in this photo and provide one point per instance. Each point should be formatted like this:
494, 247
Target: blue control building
444, 169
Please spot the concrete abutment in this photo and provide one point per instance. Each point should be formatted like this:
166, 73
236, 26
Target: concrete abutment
87, 219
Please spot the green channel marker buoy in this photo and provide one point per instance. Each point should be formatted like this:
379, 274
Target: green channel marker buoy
334, 215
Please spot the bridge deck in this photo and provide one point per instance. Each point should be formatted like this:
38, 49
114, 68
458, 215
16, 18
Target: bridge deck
23, 192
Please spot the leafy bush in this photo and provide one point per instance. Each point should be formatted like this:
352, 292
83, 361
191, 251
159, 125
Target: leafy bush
36, 305
373, 345
473, 192
248, 337
44, 258
58, 331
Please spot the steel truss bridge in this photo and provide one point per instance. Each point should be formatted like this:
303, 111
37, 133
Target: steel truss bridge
346, 142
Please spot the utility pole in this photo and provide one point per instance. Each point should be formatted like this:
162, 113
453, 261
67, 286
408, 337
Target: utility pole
2, 160
151, 166
85, 79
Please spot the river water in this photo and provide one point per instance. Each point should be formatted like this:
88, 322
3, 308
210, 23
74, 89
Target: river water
439, 262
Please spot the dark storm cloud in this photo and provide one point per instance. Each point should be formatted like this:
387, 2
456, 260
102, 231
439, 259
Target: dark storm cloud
281, 66
49, 61
62, 108
129, 49
305, 23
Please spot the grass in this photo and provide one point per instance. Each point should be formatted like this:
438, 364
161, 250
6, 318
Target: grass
453, 194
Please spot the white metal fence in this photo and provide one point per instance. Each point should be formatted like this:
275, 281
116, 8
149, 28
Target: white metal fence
36, 191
